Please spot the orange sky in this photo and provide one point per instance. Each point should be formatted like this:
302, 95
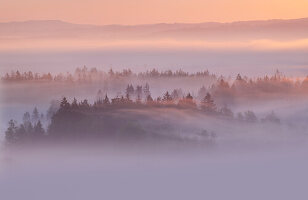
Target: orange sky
150, 11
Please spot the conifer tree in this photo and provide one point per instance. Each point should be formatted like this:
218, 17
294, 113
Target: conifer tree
207, 104
139, 91
187, 102
10, 133
227, 112
189, 97
35, 115
272, 117
146, 90
239, 77
250, 116
138, 100
167, 97
106, 101
99, 96
42, 117
84, 104
26, 118
149, 99
21, 133
38, 131
74, 104
202, 93
240, 116
64, 105
175, 94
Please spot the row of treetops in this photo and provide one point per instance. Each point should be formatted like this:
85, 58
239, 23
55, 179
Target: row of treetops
93, 75
167, 100
87, 75
205, 105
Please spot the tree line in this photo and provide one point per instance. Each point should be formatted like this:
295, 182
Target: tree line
84, 118
30, 129
220, 87
88, 75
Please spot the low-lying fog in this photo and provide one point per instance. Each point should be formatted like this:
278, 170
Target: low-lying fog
186, 153
82, 172
292, 62
233, 160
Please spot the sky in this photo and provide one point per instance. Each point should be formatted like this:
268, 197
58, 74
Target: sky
131, 12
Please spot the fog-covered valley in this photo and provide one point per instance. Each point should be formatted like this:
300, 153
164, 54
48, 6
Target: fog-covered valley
162, 111
275, 98
198, 132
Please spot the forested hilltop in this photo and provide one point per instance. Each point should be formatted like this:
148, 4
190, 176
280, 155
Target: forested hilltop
137, 115
178, 106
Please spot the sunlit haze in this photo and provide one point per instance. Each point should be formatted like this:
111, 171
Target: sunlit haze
150, 11
153, 99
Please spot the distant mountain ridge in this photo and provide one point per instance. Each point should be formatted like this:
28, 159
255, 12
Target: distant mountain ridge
261, 29
155, 24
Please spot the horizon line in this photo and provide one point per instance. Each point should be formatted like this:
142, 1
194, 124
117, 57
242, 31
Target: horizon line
145, 24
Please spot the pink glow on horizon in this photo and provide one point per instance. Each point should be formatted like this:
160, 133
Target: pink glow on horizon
150, 11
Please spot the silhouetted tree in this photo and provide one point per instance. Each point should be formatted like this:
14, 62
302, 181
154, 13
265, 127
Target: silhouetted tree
188, 101
64, 105
35, 115
139, 91
138, 100
189, 97
250, 116
127, 100
240, 116
175, 94
223, 84
10, 133
38, 131
26, 118
146, 90
53, 108
84, 104
27, 122
239, 77
202, 93
42, 117
116, 101
99, 96
74, 104
111, 73
21, 133
227, 112
272, 117
158, 100
207, 104
167, 98
106, 101
149, 100
123, 100
18, 75
99, 100
130, 90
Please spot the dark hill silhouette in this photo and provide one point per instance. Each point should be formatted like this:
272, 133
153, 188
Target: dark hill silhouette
262, 29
